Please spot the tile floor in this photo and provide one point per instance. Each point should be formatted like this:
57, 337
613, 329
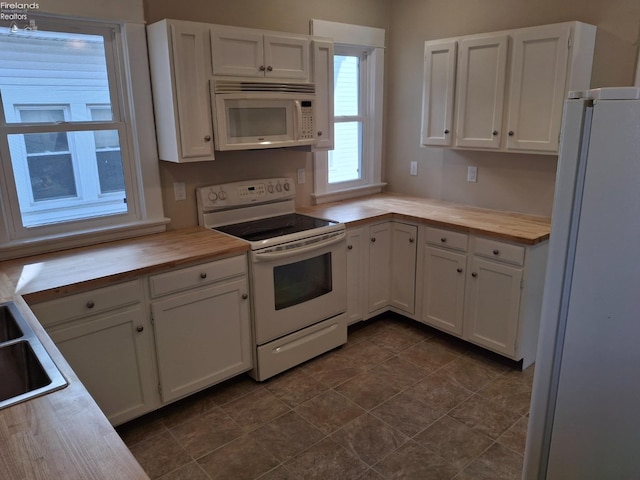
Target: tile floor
398, 401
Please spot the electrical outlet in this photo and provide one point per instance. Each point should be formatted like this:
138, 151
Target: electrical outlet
413, 169
179, 191
472, 174
301, 176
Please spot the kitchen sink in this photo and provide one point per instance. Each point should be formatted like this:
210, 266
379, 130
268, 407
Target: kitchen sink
26, 369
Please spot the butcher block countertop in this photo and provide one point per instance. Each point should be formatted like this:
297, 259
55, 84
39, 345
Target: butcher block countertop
514, 227
64, 434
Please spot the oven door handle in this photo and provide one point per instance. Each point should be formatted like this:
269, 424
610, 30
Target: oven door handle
309, 247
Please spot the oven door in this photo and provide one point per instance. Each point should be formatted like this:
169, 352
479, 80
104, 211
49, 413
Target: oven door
298, 285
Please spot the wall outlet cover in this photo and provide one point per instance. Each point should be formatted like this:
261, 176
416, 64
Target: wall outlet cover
413, 170
472, 174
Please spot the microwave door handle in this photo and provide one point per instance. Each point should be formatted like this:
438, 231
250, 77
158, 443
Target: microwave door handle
265, 256
298, 119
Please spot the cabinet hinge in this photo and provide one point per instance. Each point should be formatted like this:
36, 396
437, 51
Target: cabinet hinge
152, 320
159, 388
569, 41
521, 283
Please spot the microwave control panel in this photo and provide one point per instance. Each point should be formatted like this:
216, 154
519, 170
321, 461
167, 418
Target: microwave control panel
306, 114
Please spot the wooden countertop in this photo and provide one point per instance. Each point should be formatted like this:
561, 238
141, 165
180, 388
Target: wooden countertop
515, 227
64, 434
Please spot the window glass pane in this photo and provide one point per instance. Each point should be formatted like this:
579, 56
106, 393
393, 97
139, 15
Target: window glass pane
51, 177
40, 67
345, 158
110, 171
346, 85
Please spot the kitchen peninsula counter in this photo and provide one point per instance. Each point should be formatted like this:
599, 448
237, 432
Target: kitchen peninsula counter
64, 434
510, 226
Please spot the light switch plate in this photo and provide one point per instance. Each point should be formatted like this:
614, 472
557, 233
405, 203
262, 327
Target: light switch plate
179, 191
301, 176
413, 170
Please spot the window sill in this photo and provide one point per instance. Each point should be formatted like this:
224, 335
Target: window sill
345, 194
52, 243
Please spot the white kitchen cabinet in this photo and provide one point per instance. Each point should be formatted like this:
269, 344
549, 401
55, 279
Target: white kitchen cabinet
510, 86
357, 257
443, 279
438, 92
203, 332
106, 337
481, 91
253, 53
180, 62
403, 266
323, 78
379, 264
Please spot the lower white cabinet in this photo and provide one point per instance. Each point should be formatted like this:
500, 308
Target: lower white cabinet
403, 266
379, 262
111, 350
357, 267
202, 333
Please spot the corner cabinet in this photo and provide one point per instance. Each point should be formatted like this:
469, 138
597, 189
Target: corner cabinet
509, 86
180, 62
201, 325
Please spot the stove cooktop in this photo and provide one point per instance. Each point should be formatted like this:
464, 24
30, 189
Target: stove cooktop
272, 227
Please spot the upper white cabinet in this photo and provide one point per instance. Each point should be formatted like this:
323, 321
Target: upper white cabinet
252, 53
180, 62
322, 75
509, 86
439, 89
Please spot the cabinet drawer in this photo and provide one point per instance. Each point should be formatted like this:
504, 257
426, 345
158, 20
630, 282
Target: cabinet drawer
447, 238
504, 252
197, 276
88, 303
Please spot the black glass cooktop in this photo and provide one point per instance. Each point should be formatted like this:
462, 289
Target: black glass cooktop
272, 227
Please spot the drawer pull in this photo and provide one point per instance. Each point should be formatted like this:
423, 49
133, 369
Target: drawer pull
373, 239
459, 270
349, 247
90, 304
203, 275
494, 133
496, 252
245, 296
411, 240
139, 328
474, 274
443, 239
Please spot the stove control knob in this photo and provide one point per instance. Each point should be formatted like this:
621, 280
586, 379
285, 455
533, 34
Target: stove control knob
222, 195
213, 196
287, 187
270, 188
278, 187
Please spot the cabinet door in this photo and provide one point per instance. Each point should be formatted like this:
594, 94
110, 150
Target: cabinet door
379, 261
493, 305
443, 289
480, 94
403, 266
237, 52
537, 87
111, 354
356, 274
202, 337
192, 70
286, 57
323, 78
438, 92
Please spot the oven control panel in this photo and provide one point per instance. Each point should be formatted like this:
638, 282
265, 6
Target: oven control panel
244, 193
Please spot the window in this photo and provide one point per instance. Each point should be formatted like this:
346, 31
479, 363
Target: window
69, 158
353, 167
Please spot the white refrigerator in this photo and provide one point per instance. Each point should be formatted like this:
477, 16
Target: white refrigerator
585, 408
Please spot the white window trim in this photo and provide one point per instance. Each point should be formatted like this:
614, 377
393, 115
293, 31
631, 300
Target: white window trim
141, 142
373, 39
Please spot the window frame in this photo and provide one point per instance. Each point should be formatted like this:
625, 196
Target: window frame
369, 42
132, 118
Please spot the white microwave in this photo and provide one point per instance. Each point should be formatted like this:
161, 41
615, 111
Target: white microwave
251, 114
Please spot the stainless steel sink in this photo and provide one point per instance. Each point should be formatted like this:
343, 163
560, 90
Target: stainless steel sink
26, 369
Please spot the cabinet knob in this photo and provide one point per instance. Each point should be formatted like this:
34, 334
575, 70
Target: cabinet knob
349, 247
139, 328
207, 138
203, 275
496, 252
494, 133
443, 239
459, 270
511, 133
245, 296
320, 133
262, 68
90, 304
446, 131
270, 68
474, 274
411, 240
373, 239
